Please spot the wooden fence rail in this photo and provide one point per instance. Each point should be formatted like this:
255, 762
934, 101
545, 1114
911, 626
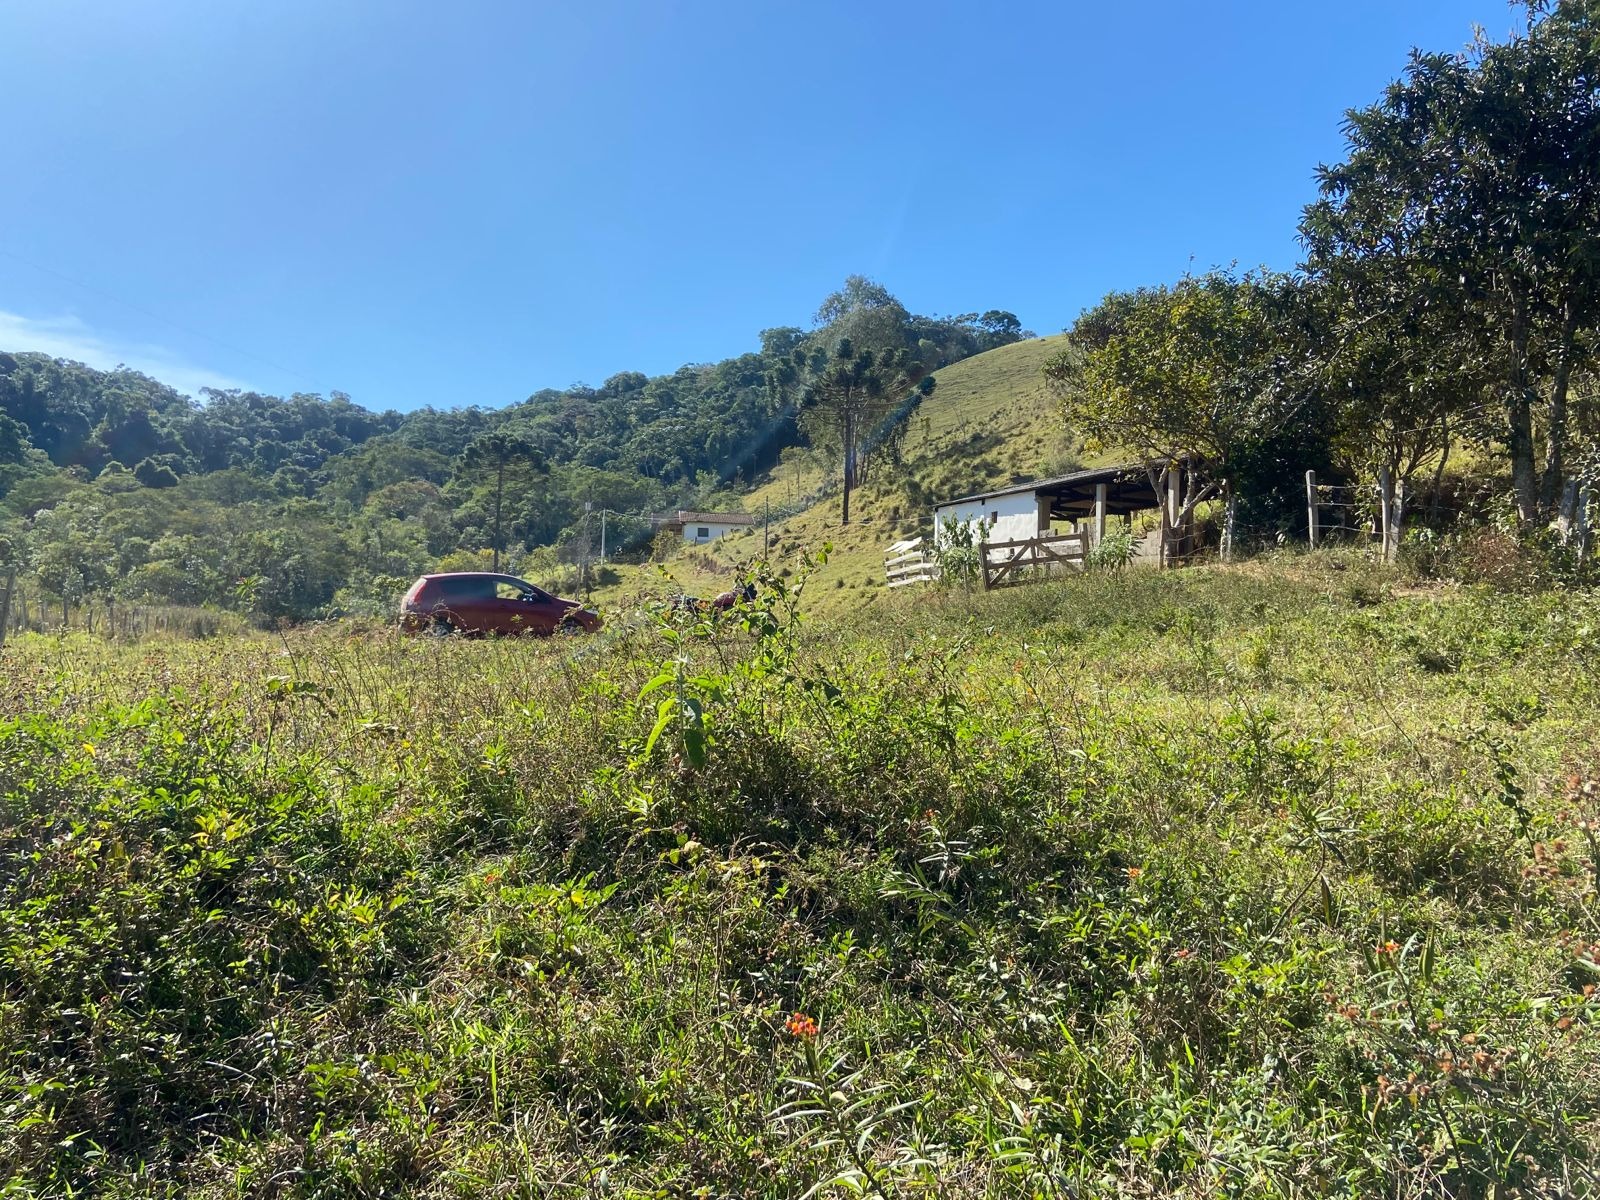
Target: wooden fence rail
907, 562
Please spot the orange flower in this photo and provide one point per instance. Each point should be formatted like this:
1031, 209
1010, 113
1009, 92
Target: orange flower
1389, 947
1182, 953
801, 1026
1133, 872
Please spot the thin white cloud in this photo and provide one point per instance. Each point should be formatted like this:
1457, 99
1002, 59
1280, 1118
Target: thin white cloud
69, 337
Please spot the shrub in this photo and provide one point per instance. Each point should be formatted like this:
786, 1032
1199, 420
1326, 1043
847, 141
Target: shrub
1113, 551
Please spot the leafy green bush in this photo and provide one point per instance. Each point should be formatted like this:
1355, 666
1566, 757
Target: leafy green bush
1113, 551
956, 548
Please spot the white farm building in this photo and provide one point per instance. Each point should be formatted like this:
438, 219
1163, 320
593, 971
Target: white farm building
1054, 523
1029, 510
700, 527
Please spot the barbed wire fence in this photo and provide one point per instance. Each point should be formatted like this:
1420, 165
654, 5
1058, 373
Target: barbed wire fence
1380, 516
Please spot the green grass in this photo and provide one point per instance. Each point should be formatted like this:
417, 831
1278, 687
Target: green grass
1268, 881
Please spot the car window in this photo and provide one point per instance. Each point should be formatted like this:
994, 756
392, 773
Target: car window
467, 587
518, 589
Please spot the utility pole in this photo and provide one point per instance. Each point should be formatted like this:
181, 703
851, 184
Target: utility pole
766, 527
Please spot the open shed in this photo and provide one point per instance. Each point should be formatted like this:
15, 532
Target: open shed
1026, 509
1017, 520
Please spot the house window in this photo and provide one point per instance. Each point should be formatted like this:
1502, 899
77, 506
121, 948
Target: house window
994, 517
701, 533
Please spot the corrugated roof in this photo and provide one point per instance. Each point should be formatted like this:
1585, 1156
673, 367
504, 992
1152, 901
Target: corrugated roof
1091, 475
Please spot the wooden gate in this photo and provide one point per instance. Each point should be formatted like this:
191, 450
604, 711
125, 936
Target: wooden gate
1018, 562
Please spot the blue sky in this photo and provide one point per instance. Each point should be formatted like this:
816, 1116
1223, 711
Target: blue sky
462, 203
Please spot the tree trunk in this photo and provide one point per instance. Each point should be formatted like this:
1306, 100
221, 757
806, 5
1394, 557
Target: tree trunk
1555, 437
849, 465
499, 491
1519, 419
1438, 477
1191, 493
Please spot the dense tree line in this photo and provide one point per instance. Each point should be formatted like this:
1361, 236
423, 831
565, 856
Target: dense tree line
1450, 296
114, 486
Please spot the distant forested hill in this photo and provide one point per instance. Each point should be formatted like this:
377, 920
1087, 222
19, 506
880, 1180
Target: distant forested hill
113, 484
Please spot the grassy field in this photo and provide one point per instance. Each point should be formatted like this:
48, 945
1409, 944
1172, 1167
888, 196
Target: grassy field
1275, 880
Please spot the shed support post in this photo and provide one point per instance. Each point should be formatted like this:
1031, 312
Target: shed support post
1312, 513
1099, 513
1171, 509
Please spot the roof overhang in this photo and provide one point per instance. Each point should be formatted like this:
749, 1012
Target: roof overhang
1128, 489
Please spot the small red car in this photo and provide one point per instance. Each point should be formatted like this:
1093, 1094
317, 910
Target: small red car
480, 602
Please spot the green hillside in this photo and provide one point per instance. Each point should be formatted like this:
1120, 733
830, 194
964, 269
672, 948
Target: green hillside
990, 421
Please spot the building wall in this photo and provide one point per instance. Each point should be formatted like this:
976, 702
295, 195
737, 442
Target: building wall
1011, 518
714, 530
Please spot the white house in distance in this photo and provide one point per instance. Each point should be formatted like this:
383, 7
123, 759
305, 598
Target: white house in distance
700, 527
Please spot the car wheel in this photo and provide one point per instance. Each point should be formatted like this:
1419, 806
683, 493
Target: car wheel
441, 628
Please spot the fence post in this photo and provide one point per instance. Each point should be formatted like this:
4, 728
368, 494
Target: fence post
1312, 507
1567, 516
5, 605
1397, 508
1384, 515
1099, 513
1580, 525
1230, 506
